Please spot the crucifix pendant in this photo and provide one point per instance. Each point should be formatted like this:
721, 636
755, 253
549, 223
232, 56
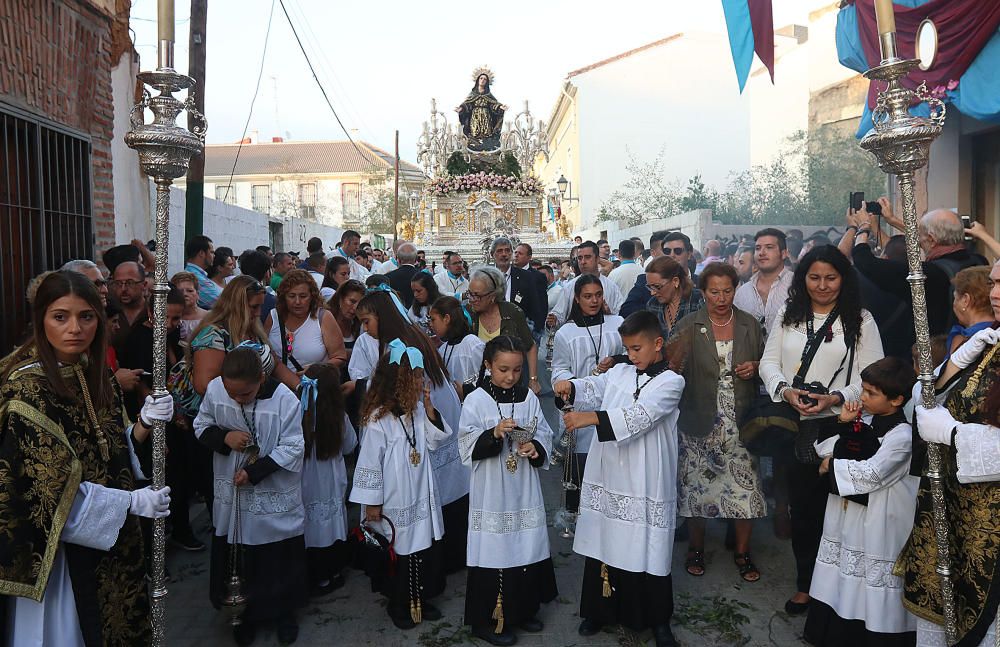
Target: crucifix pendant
511, 463
414, 457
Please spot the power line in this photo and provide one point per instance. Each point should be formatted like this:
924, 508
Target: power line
323, 90
246, 126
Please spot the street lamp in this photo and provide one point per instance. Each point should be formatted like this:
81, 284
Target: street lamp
414, 200
566, 189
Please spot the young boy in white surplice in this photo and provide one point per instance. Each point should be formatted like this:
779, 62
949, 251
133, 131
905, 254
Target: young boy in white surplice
856, 599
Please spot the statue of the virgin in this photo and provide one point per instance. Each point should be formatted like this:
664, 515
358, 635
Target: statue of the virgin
481, 115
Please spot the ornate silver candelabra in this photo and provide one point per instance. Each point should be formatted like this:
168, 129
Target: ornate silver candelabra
437, 142
165, 150
901, 143
526, 138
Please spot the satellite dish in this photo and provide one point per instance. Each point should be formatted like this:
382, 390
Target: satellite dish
927, 43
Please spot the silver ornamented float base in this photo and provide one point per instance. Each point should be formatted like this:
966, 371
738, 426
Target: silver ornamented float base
165, 151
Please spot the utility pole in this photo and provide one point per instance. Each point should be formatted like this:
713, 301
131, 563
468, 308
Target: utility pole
194, 214
395, 200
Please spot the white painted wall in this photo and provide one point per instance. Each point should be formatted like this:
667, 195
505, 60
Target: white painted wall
651, 101
132, 215
239, 228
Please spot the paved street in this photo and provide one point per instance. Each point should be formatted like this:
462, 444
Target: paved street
717, 609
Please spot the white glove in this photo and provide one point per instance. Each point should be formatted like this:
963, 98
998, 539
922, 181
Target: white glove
970, 351
157, 409
150, 503
935, 425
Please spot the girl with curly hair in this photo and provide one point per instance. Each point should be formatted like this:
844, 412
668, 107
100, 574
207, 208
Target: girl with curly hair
395, 482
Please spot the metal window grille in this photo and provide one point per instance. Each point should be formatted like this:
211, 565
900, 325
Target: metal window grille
260, 197
225, 193
45, 211
307, 200
350, 196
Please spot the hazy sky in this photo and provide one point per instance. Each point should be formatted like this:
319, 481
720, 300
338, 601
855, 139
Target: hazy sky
381, 62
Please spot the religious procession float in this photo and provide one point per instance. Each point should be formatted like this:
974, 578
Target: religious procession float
481, 180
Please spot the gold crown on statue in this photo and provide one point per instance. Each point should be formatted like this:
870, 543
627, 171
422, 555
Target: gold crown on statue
482, 69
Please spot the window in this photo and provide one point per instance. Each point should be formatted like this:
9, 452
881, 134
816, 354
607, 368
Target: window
45, 211
260, 197
350, 196
225, 193
307, 200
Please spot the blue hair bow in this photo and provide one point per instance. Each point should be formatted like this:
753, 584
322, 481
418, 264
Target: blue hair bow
252, 345
468, 317
382, 287
397, 349
308, 388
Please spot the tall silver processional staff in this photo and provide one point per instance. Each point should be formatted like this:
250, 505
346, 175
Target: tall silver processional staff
165, 150
901, 143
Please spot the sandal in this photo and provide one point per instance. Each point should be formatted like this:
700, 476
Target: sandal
695, 563
748, 571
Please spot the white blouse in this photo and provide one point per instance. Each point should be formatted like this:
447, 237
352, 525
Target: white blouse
783, 352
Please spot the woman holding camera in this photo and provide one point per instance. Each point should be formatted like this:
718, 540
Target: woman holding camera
813, 362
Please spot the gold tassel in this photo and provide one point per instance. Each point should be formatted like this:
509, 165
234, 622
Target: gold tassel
606, 586
498, 613
416, 611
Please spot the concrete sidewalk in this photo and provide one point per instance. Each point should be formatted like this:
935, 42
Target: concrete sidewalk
718, 609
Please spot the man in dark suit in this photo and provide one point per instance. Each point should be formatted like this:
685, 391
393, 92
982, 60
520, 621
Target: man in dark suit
521, 285
399, 278
522, 261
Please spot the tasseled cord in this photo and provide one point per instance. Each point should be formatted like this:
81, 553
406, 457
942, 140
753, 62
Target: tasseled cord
416, 606
498, 610
606, 583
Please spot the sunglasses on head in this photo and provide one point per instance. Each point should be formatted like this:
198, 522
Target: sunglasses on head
256, 287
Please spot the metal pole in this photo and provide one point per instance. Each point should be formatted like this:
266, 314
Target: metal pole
395, 200
902, 143
165, 150
194, 212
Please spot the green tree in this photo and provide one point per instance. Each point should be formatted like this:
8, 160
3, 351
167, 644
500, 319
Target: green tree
646, 195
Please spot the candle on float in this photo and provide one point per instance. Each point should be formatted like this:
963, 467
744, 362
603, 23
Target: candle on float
885, 17
165, 19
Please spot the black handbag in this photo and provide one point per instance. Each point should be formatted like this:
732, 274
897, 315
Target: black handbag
374, 553
770, 428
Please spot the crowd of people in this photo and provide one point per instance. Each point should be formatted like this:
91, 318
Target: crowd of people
693, 385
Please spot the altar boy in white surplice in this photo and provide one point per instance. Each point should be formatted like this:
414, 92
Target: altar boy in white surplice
629, 495
856, 598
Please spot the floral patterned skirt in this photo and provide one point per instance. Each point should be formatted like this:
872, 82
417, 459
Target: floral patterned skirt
717, 478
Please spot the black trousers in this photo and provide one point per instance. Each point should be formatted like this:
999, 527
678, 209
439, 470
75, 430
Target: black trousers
807, 496
638, 601
578, 462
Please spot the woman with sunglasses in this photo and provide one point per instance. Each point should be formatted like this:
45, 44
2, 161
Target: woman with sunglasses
493, 316
672, 295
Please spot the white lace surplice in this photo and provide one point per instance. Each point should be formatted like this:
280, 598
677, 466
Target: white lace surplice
628, 501
860, 543
507, 522
407, 493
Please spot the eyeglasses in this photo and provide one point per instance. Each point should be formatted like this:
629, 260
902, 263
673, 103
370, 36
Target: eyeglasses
127, 283
655, 287
676, 251
476, 297
101, 283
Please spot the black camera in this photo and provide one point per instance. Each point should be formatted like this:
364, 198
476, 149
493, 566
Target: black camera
813, 388
857, 201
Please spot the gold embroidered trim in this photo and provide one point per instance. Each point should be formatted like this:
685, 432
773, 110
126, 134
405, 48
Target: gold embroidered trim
61, 514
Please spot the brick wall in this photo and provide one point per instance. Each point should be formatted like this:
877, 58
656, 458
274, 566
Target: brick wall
55, 62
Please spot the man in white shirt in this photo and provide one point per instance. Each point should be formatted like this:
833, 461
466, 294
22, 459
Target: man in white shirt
767, 290
450, 280
350, 241
625, 274
586, 258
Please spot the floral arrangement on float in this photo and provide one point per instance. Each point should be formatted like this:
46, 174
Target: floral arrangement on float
482, 181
